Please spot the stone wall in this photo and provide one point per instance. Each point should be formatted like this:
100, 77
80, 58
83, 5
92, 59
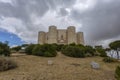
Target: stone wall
61, 36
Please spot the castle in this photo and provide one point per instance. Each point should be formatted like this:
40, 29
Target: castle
61, 36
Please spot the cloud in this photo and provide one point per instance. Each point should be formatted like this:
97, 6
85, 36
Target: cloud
27, 18
6, 1
63, 12
100, 22
99, 19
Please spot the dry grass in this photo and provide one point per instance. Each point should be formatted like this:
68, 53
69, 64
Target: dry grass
64, 68
6, 64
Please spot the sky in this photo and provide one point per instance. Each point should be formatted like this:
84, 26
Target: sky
21, 20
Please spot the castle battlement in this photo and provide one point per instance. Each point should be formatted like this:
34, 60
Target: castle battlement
61, 36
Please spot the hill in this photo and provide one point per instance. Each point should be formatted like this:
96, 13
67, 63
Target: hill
63, 68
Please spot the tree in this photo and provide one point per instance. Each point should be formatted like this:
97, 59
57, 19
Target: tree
115, 46
24, 45
4, 49
17, 48
102, 52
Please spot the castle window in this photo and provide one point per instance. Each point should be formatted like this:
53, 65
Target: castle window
61, 36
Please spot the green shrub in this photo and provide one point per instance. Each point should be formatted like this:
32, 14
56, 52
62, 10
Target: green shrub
59, 47
38, 50
102, 52
109, 59
73, 51
82, 47
54, 45
6, 64
90, 50
63, 47
29, 48
117, 73
4, 49
47, 50
72, 44
17, 48
48, 54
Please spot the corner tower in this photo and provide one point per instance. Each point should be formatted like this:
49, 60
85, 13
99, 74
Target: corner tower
71, 35
80, 38
52, 34
41, 37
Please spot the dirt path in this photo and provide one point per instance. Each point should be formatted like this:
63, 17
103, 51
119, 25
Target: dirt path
63, 68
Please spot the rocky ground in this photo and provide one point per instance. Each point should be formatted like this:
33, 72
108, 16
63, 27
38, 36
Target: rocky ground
63, 68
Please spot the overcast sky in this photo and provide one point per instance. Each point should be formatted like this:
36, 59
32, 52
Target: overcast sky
98, 19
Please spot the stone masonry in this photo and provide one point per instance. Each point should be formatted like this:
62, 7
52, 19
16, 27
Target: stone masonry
61, 36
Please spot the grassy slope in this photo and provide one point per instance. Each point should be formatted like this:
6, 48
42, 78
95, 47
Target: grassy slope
64, 68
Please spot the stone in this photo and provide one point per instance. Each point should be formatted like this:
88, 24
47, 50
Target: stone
95, 65
50, 62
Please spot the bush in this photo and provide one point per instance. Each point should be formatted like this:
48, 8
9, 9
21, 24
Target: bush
29, 49
6, 64
109, 59
37, 50
48, 54
17, 48
59, 47
102, 52
82, 47
4, 49
47, 50
89, 50
73, 51
117, 73
72, 44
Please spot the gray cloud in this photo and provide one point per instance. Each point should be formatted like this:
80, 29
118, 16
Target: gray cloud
100, 22
63, 12
25, 18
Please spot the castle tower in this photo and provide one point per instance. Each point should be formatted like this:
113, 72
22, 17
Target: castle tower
71, 35
80, 38
41, 37
52, 35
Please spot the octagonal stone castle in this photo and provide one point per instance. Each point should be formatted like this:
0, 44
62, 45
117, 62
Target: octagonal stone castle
60, 36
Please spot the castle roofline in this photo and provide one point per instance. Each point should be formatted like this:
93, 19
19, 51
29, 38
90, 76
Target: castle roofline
71, 27
79, 32
61, 29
